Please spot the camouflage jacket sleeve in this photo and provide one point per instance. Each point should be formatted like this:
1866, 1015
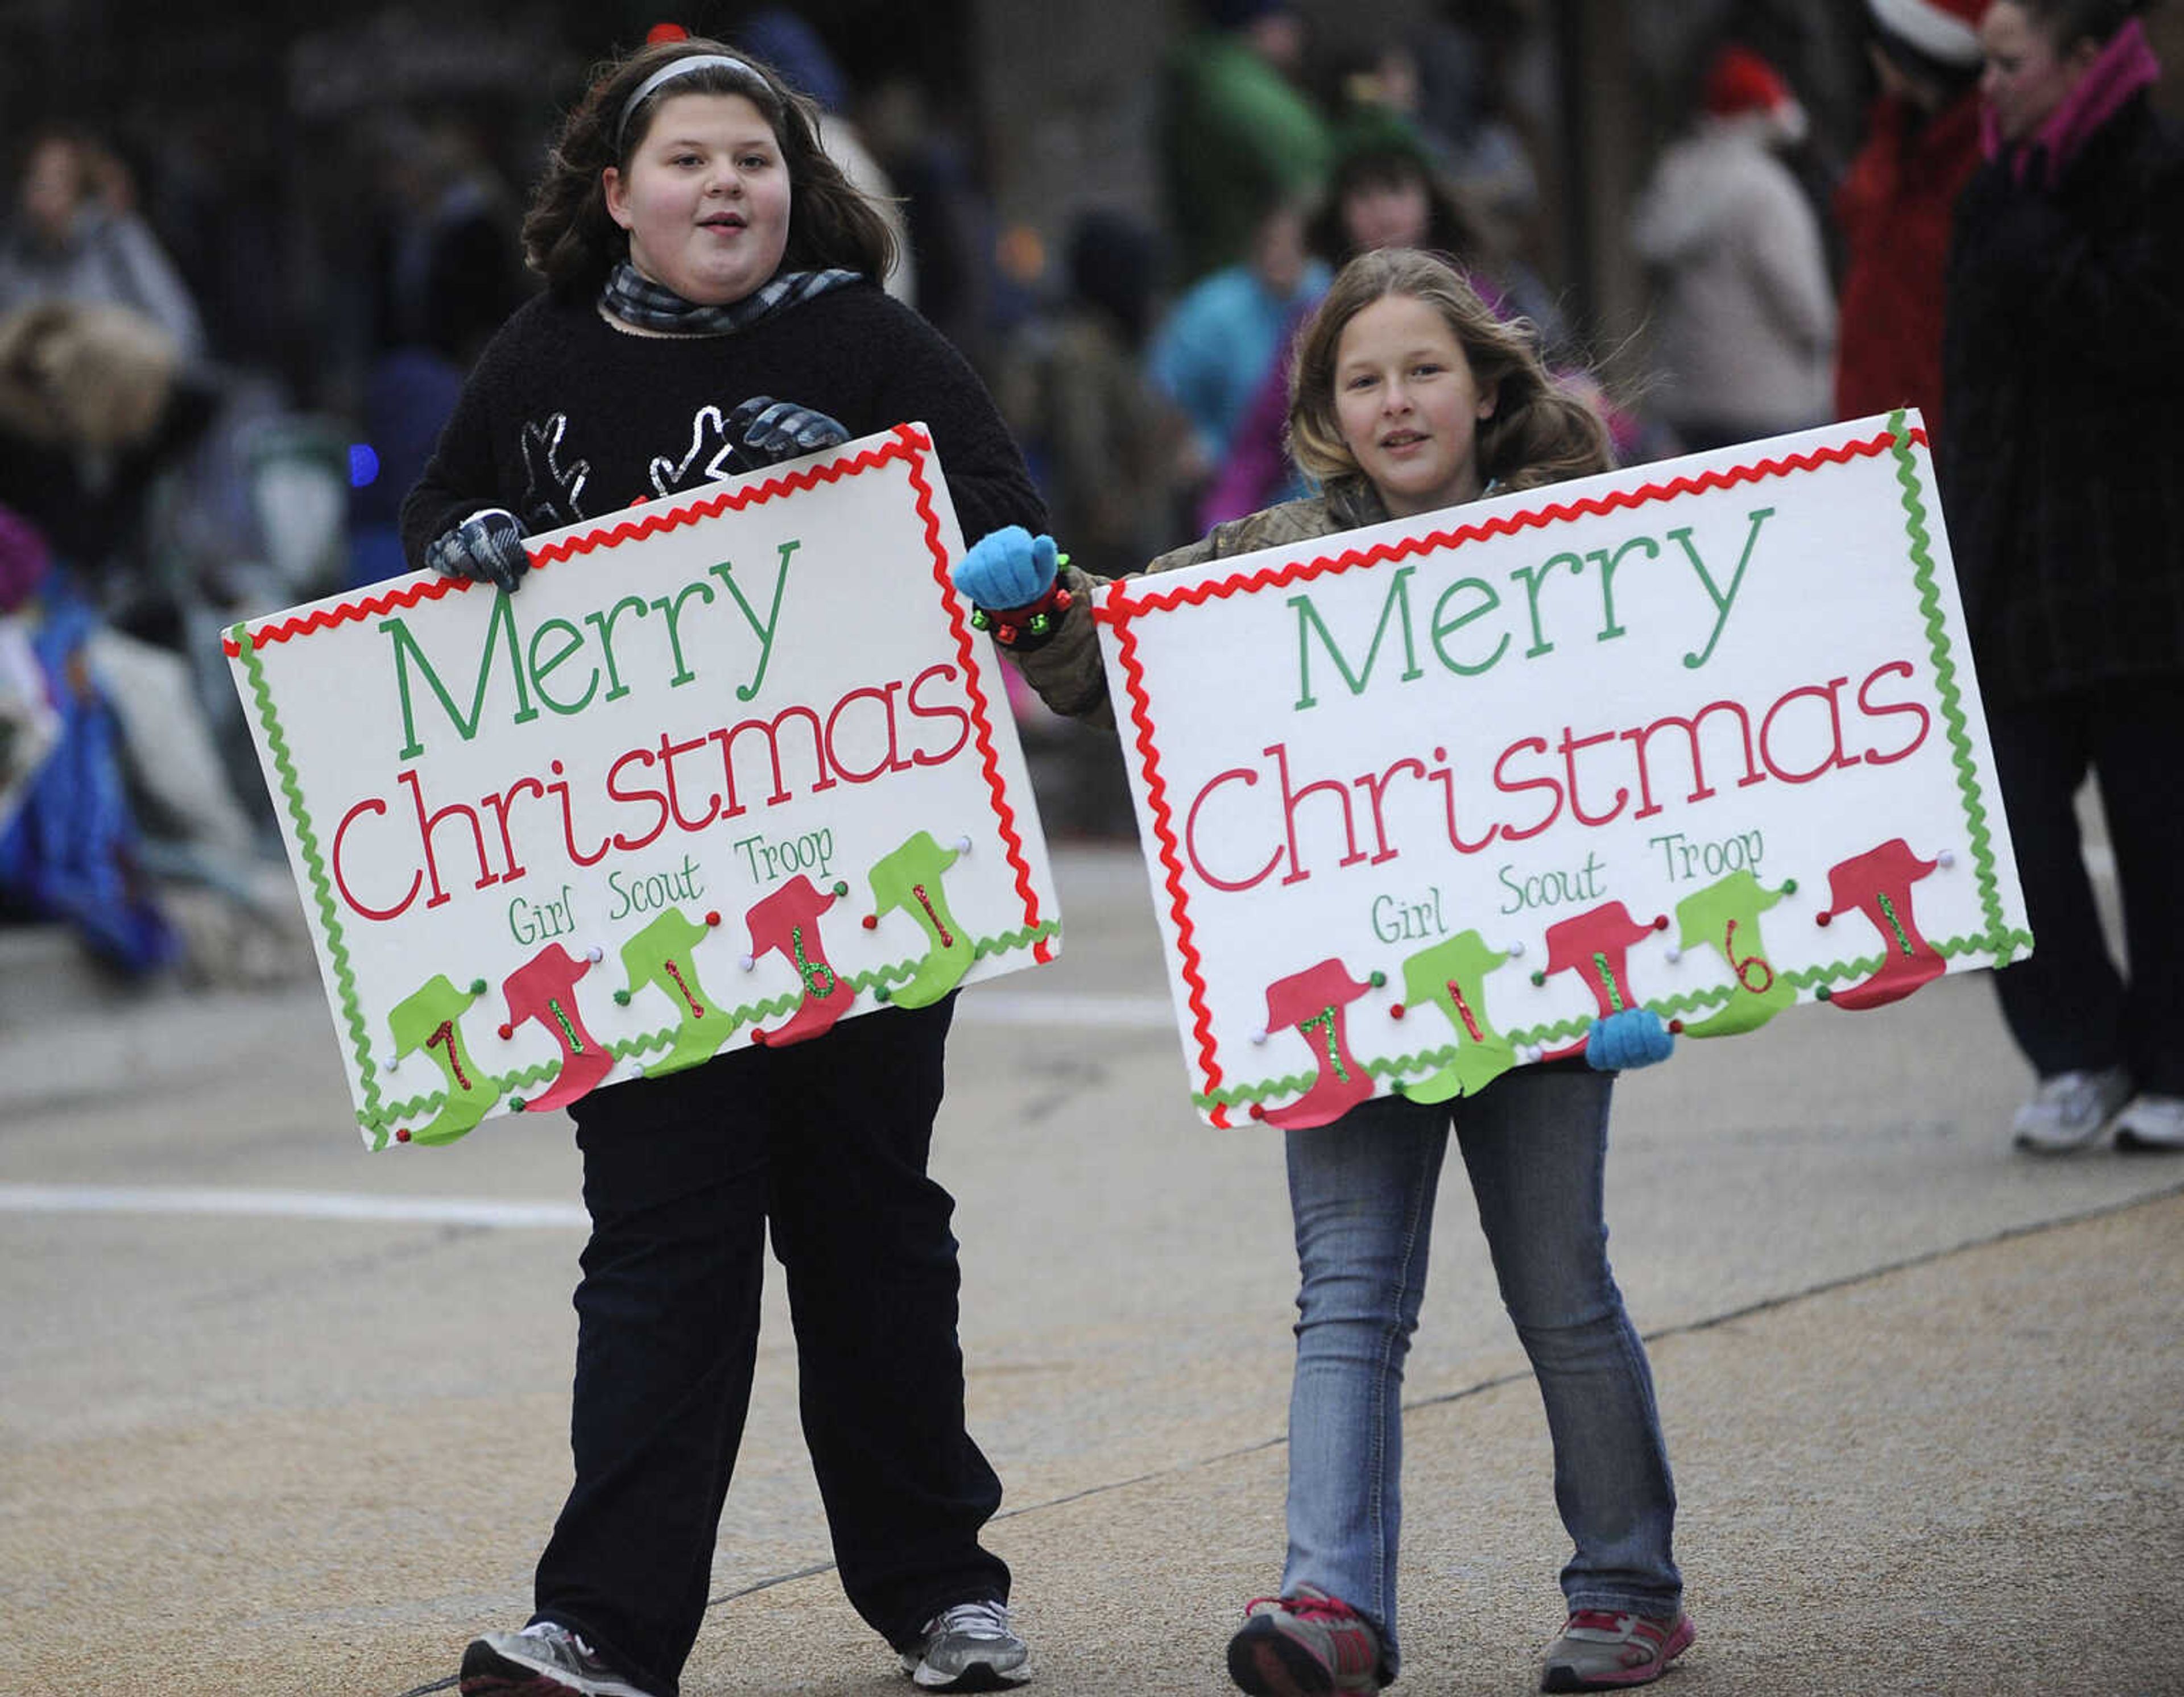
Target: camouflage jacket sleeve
1067, 671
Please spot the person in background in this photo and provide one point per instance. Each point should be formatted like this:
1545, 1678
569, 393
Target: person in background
1411, 395
1225, 337
713, 306
74, 239
2063, 358
1236, 133
1745, 318
782, 38
1895, 204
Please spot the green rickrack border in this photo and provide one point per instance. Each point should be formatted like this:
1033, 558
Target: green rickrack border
307, 840
1569, 1031
773, 1007
1924, 574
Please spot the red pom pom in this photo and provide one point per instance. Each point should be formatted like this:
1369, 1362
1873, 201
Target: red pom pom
506, 1032
1396, 1011
1675, 1026
712, 919
759, 1037
1258, 1110
872, 921
1823, 918
402, 1136
665, 32
1660, 921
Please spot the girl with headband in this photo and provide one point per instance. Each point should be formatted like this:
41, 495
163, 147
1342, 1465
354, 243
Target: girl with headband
713, 305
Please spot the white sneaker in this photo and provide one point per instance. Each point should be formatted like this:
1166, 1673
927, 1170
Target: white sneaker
970, 1647
545, 1657
2151, 1122
2070, 1110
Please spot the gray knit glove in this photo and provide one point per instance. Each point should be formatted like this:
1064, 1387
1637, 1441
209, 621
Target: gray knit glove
486, 548
763, 431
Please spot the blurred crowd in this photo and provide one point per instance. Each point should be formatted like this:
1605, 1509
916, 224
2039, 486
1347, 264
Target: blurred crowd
176, 452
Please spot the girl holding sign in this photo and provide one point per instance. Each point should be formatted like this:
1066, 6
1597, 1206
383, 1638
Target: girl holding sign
714, 305
1409, 396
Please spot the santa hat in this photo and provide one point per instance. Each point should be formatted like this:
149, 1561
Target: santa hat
1739, 82
1946, 31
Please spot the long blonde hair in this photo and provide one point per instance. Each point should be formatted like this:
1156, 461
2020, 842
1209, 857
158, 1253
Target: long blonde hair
1537, 432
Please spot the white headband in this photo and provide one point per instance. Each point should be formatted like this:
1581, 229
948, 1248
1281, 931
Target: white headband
668, 73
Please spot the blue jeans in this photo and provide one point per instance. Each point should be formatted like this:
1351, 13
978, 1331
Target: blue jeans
1361, 1191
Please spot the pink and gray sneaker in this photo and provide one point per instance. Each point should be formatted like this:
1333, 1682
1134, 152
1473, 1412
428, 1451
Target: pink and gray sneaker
1601, 1650
1307, 1645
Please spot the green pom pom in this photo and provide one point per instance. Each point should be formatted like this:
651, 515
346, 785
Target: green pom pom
1539, 978
1789, 887
980, 621
622, 999
477, 987
1379, 979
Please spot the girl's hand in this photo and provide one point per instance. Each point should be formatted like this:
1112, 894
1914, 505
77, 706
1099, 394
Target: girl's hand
1006, 568
764, 431
1634, 1037
486, 548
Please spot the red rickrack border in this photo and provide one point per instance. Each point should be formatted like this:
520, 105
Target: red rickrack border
911, 446
917, 447
1126, 599
907, 445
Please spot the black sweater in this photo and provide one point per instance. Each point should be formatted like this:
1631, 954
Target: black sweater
566, 418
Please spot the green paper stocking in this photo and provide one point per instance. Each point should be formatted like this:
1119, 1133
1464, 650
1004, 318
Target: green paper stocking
427, 1020
909, 879
1451, 976
1725, 917
660, 955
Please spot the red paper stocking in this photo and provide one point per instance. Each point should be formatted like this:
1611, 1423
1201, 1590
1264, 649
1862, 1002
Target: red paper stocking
544, 989
787, 921
1314, 1001
1878, 884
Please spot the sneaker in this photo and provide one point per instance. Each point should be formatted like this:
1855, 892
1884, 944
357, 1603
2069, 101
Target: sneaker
544, 1659
1600, 1649
2069, 1111
969, 1648
2154, 1123
1308, 1645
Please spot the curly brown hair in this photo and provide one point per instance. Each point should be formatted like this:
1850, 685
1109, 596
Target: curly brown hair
1538, 432
568, 236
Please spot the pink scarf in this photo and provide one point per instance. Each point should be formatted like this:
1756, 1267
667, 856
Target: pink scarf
2125, 65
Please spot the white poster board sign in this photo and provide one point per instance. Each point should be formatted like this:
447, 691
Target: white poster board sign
1420, 801
733, 766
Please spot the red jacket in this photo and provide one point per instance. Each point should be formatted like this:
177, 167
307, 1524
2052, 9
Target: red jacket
1895, 207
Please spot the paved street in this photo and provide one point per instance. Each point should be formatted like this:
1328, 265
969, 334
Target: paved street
276, 1415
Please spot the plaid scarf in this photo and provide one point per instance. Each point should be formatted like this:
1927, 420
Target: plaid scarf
635, 299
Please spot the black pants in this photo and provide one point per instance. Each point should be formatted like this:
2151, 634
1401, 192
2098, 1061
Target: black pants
2068, 1004
827, 1141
